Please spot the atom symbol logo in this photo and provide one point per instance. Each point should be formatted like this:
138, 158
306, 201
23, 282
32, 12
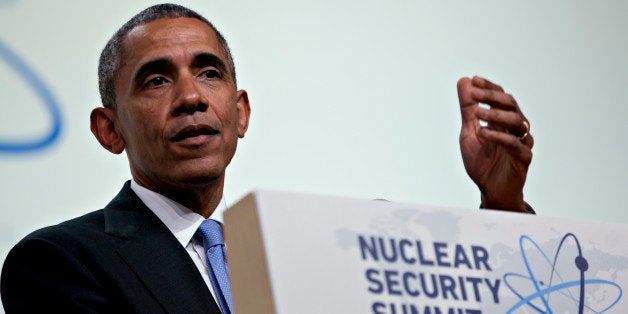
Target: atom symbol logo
550, 285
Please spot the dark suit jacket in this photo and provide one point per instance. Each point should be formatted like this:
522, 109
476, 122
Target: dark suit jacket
121, 259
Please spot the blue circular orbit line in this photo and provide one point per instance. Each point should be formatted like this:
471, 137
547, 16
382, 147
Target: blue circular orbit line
39, 87
540, 293
527, 264
565, 285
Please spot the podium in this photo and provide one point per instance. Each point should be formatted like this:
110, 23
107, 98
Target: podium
300, 253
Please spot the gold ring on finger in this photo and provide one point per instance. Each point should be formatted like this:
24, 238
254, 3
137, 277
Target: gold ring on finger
526, 125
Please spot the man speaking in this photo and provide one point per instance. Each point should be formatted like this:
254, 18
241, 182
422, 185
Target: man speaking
170, 101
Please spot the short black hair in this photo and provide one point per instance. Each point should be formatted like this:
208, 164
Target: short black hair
110, 56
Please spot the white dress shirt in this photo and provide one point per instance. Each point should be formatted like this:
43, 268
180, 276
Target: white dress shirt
182, 222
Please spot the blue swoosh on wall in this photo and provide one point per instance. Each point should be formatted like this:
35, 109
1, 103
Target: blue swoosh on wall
40, 89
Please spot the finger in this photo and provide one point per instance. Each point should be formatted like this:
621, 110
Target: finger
481, 82
508, 140
528, 141
495, 99
512, 122
464, 92
519, 149
467, 104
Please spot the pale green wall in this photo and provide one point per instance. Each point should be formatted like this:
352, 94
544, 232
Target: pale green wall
353, 98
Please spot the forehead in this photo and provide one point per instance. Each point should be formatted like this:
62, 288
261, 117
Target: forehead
169, 37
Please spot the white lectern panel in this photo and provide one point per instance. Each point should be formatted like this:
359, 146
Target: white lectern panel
298, 253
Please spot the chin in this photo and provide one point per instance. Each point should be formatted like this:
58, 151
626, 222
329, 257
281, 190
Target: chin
198, 174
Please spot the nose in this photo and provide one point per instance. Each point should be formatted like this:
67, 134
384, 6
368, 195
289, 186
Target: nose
189, 98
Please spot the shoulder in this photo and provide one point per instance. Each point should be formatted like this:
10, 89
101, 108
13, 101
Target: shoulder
69, 234
57, 241
90, 222
89, 229
71, 265
49, 261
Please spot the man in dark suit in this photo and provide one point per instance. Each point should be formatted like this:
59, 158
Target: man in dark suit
170, 100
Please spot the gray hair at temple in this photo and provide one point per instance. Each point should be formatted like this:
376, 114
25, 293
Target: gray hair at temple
110, 58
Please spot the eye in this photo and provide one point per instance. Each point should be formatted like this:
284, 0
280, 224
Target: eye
155, 81
211, 74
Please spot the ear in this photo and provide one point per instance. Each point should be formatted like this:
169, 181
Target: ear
102, 124
244, 112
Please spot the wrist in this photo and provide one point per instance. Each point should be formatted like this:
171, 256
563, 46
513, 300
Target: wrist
516, 204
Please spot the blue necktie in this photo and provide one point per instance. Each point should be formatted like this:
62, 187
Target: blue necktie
211, 233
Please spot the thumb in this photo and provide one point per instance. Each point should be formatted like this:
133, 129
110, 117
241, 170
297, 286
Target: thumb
467, 104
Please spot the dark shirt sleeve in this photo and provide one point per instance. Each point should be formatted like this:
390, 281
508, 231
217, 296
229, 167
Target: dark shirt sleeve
529, 209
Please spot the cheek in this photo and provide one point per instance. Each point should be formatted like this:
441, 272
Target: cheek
225, 110
232, 125
142, 129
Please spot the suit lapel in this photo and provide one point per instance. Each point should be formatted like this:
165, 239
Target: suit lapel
156, 257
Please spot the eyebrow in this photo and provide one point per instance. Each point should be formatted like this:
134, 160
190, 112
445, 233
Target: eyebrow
204, 59
149, 67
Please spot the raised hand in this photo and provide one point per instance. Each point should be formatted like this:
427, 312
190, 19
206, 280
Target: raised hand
496, 156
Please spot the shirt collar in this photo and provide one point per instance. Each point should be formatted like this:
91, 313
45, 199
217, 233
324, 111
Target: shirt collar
180, 220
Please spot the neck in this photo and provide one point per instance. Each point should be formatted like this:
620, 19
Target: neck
202, 201
201, 198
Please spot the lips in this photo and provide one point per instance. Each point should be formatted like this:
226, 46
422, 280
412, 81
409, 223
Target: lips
193, 131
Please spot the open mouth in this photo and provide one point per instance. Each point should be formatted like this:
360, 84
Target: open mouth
193, 131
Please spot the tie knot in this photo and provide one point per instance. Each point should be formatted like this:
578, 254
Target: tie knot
211, 232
